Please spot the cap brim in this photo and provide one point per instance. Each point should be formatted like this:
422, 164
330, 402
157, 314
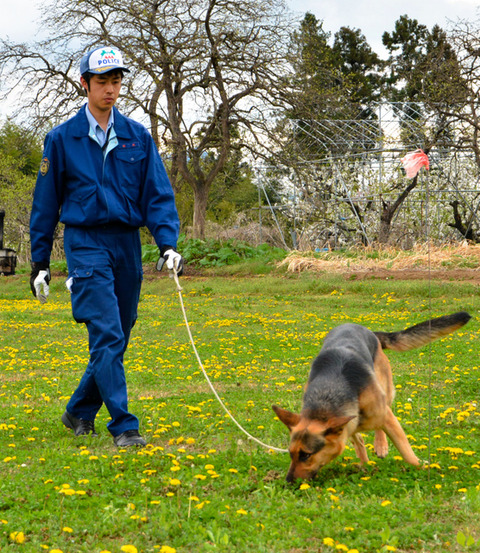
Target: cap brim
103, 70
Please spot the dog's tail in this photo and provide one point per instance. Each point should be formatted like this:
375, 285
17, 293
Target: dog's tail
423, 333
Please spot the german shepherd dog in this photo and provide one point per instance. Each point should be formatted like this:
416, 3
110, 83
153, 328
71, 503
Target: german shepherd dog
350, 390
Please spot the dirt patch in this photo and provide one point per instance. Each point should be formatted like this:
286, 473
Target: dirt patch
448, 275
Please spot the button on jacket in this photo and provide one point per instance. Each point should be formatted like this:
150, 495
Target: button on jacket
83, 184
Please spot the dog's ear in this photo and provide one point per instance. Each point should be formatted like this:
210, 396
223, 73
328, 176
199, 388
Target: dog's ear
288, 418
335, 425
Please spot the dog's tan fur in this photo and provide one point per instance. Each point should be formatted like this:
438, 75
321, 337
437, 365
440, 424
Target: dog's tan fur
349, 391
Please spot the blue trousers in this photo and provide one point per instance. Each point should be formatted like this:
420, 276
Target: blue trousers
105, 264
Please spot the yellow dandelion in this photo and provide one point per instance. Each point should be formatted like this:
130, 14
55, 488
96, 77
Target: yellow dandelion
67, 529
305, 486
129, 549
167, 549
328, 541
174, 482
242, 512
386, 503
17, 537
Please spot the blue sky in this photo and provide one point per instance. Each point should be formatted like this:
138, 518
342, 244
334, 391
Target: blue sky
373, 17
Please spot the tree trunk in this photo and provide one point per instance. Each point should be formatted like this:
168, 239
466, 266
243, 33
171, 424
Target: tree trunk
464, 229
386, 217
389, 209
200, 195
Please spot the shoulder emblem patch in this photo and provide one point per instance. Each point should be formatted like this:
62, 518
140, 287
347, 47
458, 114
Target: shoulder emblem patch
44, 166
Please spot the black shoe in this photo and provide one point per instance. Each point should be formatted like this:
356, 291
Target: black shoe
128, 438
81, 427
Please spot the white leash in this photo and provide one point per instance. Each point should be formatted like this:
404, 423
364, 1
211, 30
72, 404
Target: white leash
179, 290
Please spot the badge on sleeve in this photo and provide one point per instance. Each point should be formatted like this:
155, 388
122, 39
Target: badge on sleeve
44, 166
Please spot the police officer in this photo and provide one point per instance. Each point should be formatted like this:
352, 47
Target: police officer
102, 176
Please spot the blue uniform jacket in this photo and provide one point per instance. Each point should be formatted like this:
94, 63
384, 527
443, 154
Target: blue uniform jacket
80, 187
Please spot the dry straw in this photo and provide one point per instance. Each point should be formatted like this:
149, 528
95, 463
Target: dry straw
463, 255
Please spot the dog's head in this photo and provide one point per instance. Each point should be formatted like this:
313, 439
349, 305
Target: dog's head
313, 443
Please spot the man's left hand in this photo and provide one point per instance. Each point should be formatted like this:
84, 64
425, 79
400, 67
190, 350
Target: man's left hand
39, 279
173, 260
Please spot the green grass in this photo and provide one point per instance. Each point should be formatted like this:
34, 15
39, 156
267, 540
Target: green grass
201, 485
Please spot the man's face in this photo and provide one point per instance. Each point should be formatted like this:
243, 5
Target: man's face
103, 90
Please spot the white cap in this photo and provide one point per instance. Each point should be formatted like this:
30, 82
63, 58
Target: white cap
102, 60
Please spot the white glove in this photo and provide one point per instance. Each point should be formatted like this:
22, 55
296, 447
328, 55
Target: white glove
174, 259
41, 281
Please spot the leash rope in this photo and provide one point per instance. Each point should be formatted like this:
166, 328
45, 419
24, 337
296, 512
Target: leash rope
179, 290
430, 374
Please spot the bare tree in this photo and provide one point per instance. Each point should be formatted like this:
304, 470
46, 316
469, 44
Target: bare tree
204, 74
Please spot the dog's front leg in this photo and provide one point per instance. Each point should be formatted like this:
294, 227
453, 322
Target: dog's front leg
396, 433
380, 444
360, 449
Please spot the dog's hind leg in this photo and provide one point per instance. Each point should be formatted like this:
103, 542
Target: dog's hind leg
359, 446
380, 444
396, 433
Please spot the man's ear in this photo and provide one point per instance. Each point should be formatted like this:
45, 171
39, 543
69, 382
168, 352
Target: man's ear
85, 85
288, 418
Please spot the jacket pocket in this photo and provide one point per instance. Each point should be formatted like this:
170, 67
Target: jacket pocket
85, 304
130, 155
80, 205
129, 161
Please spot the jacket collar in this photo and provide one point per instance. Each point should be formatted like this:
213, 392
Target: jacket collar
81, 125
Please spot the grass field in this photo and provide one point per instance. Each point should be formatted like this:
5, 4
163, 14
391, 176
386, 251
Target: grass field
201, 485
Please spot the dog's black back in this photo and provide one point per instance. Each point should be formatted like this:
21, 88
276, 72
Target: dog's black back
342, 369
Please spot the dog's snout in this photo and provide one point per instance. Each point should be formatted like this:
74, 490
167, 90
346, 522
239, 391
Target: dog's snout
291, 475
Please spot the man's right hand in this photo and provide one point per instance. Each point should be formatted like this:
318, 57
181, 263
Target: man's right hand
39, 279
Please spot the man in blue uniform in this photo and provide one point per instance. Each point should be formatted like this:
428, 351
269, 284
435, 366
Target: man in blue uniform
102, 176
